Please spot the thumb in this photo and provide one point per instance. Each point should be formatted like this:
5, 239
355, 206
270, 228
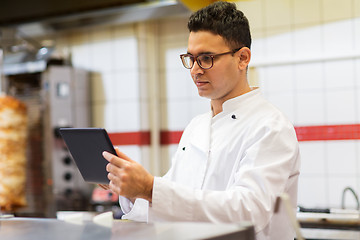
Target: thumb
122, 155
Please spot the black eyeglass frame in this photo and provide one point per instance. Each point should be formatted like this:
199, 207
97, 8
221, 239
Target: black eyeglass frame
212, 56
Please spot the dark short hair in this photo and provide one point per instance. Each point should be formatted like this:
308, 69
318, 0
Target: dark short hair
222, 18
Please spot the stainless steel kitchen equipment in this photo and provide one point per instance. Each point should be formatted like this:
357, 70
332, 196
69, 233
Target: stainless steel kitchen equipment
56, 96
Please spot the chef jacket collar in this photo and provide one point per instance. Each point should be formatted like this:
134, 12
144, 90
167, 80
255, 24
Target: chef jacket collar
236, 102
201, 136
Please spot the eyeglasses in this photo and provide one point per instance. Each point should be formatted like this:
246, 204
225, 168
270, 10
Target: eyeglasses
205, 61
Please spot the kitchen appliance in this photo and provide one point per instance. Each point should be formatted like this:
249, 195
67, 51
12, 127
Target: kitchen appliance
56, 96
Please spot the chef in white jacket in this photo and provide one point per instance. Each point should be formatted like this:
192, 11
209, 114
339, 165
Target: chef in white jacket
232, 162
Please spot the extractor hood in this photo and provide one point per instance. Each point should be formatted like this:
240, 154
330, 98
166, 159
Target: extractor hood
47, 20
31, 19
23, 11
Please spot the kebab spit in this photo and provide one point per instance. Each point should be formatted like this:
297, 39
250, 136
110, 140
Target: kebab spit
13, 140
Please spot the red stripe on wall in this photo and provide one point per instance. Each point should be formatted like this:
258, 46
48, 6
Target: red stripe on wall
328, 132
170, 137
130, 138
304, 133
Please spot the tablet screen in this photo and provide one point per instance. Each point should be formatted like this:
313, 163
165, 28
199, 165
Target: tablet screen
86, 146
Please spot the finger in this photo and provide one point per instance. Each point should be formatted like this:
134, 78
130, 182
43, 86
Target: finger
122, 155
115, 160
112, 177
114, 188
109, 167
108, 156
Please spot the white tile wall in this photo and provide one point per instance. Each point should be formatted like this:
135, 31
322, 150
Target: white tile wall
126, 85
304, 81
263, 84
284, 101
338, 37
81, 56
258, 49
356, 32
279, 45
341, 158
125, 53
357, 161
172, 58
310, 103
178, 114
314, 161
340, 106
127, 116
178, 84
145, 119
108, 80
199, 105
110, 55
339, 74
278, 79
101, 56
357, 90
133, 152
316, 83
308, 41
357, 72
110, 122
312, 192
357, 103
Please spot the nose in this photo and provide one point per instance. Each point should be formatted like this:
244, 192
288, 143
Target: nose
196, 69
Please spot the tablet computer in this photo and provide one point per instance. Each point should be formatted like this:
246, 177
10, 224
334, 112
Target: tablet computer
86, 146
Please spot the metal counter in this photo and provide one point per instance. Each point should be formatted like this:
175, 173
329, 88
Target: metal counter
35, 229
329, 225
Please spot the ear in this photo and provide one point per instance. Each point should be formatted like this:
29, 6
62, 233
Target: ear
244, 55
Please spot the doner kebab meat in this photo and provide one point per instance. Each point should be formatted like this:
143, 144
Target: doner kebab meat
13, 136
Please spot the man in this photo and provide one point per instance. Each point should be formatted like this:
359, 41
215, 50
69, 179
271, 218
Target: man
233, 161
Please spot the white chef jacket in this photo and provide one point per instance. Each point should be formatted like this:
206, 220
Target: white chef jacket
229, 168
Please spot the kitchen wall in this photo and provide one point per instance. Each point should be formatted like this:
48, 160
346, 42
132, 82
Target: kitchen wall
305, 58
307, 61
111, 55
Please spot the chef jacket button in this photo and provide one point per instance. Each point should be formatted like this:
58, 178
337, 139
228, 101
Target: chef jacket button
183, 148
233, 116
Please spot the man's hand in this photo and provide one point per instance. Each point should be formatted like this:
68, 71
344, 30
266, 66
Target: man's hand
127, 177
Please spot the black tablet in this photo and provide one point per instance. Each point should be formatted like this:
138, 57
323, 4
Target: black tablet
86, 146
